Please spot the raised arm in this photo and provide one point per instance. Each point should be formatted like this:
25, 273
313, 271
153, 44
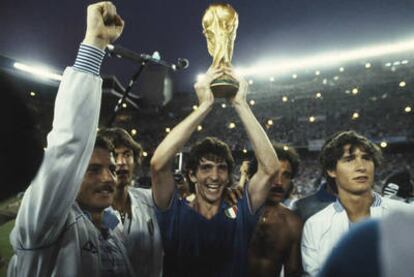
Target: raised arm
50, 196
268, 163
163, 185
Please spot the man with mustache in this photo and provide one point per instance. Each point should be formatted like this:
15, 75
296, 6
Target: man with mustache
349, 161
134, 206
206, 237
276, 239
62, 228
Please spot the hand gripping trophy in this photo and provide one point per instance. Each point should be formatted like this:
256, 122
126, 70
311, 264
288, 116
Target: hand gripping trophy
220, 22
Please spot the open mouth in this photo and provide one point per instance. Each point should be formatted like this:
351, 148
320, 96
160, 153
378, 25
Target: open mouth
213, 188
361, 179
105, 189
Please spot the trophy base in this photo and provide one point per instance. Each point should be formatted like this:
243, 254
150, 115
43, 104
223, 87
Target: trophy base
224, 88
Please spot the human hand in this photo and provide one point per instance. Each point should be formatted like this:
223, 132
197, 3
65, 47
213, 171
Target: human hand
202, 86
240, 97
104, 25
233, 195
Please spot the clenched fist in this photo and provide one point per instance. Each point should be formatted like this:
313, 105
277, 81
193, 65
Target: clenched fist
104, 25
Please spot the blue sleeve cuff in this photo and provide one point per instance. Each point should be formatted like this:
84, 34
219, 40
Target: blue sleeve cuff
89, 59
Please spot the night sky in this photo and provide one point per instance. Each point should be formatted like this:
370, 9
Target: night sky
49, 31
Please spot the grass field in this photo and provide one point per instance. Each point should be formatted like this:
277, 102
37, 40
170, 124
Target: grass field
6, 250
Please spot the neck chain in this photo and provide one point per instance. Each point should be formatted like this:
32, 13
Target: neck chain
123, 216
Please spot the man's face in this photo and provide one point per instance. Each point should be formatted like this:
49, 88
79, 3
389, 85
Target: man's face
354, 172
281, 183
211, 178
98, 186
125, 165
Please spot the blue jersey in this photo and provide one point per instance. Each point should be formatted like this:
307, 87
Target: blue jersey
196, 246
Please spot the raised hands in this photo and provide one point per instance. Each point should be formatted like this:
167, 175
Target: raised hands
202, 86
240, 97
104, 25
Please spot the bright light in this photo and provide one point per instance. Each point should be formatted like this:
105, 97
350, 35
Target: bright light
133, 132
41, 72
167, 130
317, 72
388, 64
195, 107
232, 125
402, 84
341, 69
145, 154
367, 65
294, 76
200, 77
199, 128
252, 102
355, 115
244, 150
285, 99
404, 62
270, 122
312, 119
336, 78
223, 105
32, 93
285, 147
250, 82
355, 91
327, 59
318, 95
272, 79
124, 105
407, 109
383, 144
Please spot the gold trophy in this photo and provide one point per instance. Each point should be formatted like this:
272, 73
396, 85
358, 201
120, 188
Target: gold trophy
220, 22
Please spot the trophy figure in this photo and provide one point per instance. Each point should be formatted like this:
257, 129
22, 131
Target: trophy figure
220, 22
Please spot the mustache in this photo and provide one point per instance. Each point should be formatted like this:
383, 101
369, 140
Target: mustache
103, 187
277, 190
121, 171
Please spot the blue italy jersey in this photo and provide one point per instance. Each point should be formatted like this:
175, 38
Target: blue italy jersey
196, 246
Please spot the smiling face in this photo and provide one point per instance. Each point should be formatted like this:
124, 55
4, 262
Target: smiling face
354, 172
98, 186
211, 178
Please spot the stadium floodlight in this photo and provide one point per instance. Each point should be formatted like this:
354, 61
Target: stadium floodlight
41, 72
333, 58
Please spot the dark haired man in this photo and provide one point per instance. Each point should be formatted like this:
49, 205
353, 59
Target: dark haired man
276, 240
206, 237
348, 160
62, 228
135, 207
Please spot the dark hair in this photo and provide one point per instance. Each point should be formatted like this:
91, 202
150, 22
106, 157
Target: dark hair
104, 143
333, 150
120, 137
283, 154
210, 148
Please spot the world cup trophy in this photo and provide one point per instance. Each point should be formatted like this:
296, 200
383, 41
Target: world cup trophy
220, 22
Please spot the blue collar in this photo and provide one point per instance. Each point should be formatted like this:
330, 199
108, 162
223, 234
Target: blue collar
109, 219
375, 203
